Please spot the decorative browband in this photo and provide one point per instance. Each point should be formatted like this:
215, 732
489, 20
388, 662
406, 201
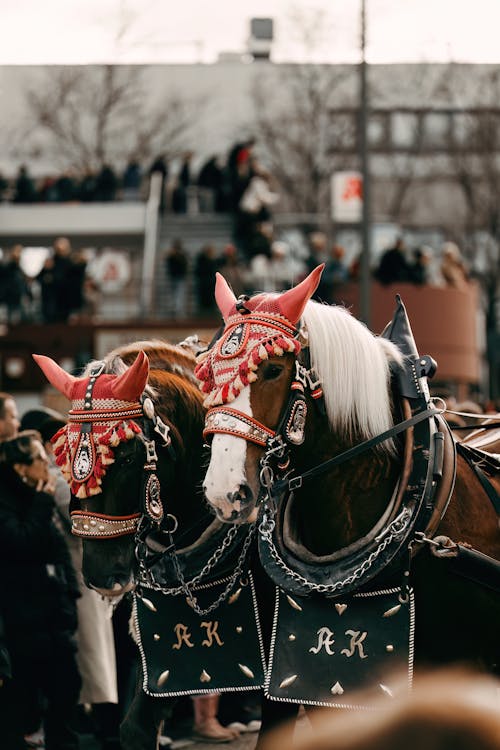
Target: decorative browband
229, 421
100, 526
110, 415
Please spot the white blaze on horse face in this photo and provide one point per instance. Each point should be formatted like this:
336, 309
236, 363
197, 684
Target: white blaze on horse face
226, 471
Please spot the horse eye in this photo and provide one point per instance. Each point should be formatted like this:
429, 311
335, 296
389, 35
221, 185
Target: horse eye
272, 372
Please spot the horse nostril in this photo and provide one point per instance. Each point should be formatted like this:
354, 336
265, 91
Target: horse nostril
243, 494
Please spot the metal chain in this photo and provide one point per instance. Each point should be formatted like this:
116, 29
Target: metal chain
188, 587
394, 529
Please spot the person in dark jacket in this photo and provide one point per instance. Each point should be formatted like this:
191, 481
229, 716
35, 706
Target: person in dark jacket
38, 590
394, 266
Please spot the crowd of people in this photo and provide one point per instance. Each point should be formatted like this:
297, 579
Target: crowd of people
62, 288
67, 661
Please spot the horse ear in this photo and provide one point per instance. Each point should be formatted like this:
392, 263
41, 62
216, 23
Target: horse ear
60, 379
292, 302
224, 295
131, 384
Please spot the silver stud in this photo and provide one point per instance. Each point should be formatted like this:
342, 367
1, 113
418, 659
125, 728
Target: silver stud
288, 681
291, 637
389, 648
204, 676
341, 608
246, 671
163, 678
293, 603
337, 689
392, 611
156, 637
149, 604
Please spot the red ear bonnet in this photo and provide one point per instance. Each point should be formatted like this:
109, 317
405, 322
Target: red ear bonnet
108, 403
264, 327
292, 302
224, 296
130, 385
59, 378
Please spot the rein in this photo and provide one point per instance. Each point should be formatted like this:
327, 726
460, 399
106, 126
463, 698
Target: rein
295, 482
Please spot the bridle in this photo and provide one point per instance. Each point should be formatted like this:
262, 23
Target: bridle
93, 525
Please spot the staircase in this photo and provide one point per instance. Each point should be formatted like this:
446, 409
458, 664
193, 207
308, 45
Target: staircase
195, 231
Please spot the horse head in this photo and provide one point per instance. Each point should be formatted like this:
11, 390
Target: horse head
285, 369
124, 454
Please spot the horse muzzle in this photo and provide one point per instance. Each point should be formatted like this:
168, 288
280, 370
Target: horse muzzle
236, 507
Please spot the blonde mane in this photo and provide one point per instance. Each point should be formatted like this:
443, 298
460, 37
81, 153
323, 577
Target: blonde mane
353, 366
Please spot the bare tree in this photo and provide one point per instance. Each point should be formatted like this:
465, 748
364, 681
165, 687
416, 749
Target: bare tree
92, 115
304, 143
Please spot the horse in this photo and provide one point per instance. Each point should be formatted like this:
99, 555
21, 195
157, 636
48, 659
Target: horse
326, 437
146, 415
132, 454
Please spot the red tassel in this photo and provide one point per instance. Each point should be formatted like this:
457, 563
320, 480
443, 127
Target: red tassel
225, 392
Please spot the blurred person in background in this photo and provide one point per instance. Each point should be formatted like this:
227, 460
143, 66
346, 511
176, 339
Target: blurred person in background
205, 267
335, 275
183, 182
106, 184
254, 206
394, 266
176, 269
160, 166
38, 581
131, 180
15, 291
9, 417
445, 710
232, 270
24, 190
453, 269
95, 637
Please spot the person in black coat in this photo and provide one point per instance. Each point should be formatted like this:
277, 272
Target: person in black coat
38, 591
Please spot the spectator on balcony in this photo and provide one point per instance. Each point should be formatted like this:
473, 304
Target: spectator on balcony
394, 266
88, 186
211, 183
47, 192
66, 188
453, 268
239, 170
255, 205
180, 194
176, 268
25, 191
131, 180
15, 291
107, 184
160, 166
4, 187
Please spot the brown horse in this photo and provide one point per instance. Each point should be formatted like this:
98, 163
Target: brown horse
144, 410
328, 435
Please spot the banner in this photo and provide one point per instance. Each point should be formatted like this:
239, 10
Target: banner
347, 197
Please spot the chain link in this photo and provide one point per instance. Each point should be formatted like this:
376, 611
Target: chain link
394, 529
188, 587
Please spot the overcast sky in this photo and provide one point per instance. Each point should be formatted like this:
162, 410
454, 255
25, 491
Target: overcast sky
86, 31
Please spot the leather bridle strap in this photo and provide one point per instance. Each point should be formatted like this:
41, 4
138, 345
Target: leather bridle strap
223, 419
295, 482
101, 526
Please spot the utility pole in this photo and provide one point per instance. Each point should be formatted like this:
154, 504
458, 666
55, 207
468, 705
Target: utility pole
365, 272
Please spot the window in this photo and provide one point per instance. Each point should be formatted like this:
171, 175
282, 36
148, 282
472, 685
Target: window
436, 129
404, 129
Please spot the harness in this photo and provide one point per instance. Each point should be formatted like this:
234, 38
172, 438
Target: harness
93, 525
425, 486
